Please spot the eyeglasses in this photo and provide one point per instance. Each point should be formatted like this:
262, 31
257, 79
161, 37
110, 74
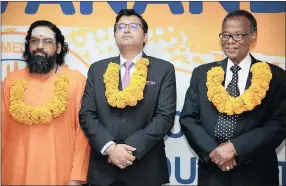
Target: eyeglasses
131, 26
236, 37
45, 42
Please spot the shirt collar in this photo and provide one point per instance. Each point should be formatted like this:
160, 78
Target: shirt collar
244, 64
123, 60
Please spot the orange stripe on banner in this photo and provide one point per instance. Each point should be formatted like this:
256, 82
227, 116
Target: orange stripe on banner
79, 58
276, 63
14, 33
71, 51
183, 70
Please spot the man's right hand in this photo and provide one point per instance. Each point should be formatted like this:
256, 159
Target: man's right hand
120, 155
229, 165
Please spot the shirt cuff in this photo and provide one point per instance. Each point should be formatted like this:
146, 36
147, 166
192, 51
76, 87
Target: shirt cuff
106, 146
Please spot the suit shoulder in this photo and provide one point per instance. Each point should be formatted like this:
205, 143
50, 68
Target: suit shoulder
160, 62
205, 67
276, 68
102, 62
277, 72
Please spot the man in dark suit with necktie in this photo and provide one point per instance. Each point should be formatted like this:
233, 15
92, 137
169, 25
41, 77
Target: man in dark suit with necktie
128, 106
234, 111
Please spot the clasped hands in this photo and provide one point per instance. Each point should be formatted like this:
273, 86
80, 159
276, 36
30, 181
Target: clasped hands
224, 156
120, 155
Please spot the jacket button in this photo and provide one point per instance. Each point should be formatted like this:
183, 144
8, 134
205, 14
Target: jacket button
123, 120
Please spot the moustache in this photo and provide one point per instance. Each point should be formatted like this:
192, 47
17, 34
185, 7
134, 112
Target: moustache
41, 52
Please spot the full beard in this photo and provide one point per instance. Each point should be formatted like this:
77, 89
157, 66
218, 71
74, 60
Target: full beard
40, 64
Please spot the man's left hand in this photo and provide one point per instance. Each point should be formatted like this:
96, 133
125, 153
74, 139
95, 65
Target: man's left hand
74, 182
223, 153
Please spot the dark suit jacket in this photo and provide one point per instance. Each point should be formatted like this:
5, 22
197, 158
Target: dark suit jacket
258, 132
142, 126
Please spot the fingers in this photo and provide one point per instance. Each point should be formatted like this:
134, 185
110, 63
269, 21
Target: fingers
220, 159
130, 157
120, 164
231, 166
123, 161
122, 156
129, 163
129, 148
117, 163
234, 162
124, 164
222, 162
212, 154
228, 166
223, 168
216, 162
122, 153
127, 160
214, 158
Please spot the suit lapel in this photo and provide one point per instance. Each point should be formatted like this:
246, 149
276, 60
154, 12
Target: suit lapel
144, 55
150, 72
243, 118
117, 61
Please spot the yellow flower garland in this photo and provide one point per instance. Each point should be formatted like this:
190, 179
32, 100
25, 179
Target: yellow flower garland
42, 115
217, 94
133, 93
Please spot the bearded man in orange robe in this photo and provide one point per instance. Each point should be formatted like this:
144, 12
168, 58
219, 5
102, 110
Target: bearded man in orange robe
42, 141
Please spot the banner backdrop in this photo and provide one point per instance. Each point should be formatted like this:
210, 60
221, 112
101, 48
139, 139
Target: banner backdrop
184, 33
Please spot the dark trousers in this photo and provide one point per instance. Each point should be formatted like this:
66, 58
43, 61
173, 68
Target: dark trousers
117, 182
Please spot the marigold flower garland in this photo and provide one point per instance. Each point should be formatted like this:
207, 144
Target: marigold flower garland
42, 115
133, 93
252, 97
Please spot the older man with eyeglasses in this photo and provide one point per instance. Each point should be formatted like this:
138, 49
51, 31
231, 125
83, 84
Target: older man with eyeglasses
128, 106
234, 111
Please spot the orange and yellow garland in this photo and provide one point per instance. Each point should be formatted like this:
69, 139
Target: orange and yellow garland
42, 115
133, 93
217, 94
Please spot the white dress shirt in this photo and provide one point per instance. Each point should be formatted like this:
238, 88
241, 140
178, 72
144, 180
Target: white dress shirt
242, 73
122, 72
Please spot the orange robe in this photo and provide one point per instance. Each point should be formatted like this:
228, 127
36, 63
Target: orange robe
49, 154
